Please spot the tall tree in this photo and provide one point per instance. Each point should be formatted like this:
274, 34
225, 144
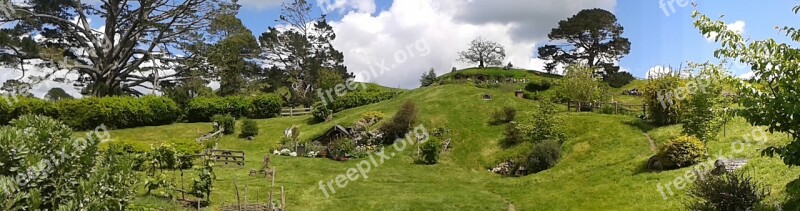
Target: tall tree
231, 55
136, 46
302, 48
592, 37
483, 52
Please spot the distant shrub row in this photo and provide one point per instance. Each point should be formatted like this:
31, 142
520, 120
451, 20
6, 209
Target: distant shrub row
129, 112
361, 98
257, 107
88, 113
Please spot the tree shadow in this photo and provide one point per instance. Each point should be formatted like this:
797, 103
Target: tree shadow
641, 125
793, 200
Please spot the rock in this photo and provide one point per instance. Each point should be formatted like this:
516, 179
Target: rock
728, 165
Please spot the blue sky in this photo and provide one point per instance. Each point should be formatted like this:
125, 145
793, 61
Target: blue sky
656, 39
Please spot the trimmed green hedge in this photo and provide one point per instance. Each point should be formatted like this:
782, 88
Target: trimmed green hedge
88, 113
257, 107
361, 98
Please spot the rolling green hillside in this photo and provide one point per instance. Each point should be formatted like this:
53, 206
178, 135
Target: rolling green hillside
602, 167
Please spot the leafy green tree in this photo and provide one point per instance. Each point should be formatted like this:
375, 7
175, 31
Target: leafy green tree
110, 62
17, 87
483, 52
770, 98
183, 91
428, 78
592, 37
232, 54
302, 48
703, 111
581, 85
328, 79
56, 94
662, 99
618, 79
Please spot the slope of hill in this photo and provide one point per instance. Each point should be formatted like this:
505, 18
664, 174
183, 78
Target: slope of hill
602, 166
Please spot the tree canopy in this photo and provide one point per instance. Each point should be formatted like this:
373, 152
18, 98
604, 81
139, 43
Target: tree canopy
592, 37
483, 52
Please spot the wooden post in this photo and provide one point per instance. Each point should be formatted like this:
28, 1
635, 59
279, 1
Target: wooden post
236, 188
183, 194
283, 200
245, 196
616, 107
272, 189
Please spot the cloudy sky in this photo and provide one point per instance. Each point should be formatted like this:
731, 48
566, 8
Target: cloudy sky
371, 32
408, 37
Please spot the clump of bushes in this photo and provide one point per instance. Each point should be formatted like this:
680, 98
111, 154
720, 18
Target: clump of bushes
504, 115
543, 156
544, 125
662, 99
321, 112
683, 151
372, 116
249, 128
429, 151
227, 122
201, 109
538, 85
401, 122
732, 191
67, 171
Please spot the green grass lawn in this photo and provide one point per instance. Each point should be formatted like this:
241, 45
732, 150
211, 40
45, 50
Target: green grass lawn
602, 167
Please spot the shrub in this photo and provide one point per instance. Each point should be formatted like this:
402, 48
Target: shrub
543, 156
227, 122
76, 173
265, 106
321, 112
504, 115
683, 151
185, 150
429, 151
400, 123
372, 116
249, 128
660, 98
164, 156
340, 148
732, 191
618, 79
581, 85
201, 109
544, 125
360, 98
538, 85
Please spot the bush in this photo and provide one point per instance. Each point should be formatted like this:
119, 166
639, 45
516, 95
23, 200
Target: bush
372, 116
202, 109
401, 122
227, 122
504, 115
618, 79
429, 151
538, 85
360, 98
683, 151
249, 128
544, 125
543, 156
68, 172
340, 148
321, 112
661, 100
733, 191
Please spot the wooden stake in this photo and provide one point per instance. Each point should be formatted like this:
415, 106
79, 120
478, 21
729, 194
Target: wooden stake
283, 200
236, 188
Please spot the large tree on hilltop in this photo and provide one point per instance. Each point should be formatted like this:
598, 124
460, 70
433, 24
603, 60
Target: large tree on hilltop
483, 52
302, 48
592, 37
135, 43
231, 55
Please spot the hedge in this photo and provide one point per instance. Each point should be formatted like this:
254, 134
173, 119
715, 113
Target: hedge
88, 113
361, 98
257, 107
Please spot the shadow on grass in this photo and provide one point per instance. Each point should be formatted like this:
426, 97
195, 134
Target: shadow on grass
641, 125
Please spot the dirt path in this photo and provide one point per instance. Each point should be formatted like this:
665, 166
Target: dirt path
652, 143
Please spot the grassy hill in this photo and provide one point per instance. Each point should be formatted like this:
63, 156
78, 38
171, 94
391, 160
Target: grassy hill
602, 166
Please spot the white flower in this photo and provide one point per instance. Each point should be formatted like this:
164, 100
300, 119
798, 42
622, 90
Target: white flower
285, 152
276, 152
293, 154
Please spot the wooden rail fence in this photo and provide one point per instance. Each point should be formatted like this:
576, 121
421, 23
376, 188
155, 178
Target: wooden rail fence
293, 111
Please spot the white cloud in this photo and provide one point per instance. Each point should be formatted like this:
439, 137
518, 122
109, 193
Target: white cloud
260, 4
656, 71
443, 28
737, 27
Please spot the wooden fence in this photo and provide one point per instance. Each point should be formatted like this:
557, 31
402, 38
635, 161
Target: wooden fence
293, 111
